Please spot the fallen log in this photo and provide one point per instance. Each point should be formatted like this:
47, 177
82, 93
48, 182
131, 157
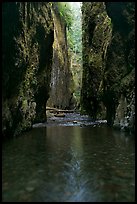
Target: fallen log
59, 110
59, 115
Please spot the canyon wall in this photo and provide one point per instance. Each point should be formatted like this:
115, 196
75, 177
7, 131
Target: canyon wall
120, 68
27, 38
61, 93
108, 89
96, 37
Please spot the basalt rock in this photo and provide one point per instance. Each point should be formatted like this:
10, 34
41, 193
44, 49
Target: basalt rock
61, 78
108, 88
27, 35
119, 78
97, 32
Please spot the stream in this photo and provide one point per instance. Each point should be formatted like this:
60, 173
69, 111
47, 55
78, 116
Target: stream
69, 159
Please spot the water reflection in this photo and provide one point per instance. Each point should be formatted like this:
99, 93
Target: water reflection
69, 164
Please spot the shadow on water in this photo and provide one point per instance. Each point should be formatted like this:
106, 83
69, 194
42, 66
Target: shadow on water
73, 163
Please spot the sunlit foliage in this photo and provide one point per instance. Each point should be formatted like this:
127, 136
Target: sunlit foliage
66, 13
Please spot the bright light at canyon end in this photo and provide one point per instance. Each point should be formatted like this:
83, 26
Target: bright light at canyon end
76, 4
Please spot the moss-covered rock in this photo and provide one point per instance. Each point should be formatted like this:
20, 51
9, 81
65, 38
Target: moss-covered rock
97, 31
27, 34
109, 62
119, 78
61, 77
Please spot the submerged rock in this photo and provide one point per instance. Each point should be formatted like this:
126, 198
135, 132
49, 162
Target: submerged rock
59, 115
30, 188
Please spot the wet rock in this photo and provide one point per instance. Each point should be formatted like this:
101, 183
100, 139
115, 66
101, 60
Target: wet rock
61, 77
59, 115
30, 188
27, 35
108, 87
39, 125
97, 32
75, 121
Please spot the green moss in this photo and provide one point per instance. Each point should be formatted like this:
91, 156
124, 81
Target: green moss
27, 35
96, 39
61, 78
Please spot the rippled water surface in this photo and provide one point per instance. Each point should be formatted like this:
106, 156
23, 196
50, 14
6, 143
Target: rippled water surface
69, 163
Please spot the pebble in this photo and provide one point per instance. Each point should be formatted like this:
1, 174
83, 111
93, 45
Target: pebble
30, 188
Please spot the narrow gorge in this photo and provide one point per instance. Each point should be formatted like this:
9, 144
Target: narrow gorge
36, 64
68, 82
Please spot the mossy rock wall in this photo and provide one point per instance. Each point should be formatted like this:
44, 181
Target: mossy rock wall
119, 78
109, 62
61, 78
96, 36
27, 36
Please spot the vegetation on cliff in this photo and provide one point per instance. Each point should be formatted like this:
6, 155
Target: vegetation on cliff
35, 68
96, 37
70, 16
74, 35
27, 34
121, 84
109, 62
61, 78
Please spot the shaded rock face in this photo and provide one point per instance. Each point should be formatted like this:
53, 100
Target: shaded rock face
120, 67
61, 77
97, 32
27, 35
109, 79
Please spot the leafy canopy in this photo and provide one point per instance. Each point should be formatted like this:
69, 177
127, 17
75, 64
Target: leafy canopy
66, 13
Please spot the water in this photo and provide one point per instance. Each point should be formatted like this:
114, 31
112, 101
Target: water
64, 163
